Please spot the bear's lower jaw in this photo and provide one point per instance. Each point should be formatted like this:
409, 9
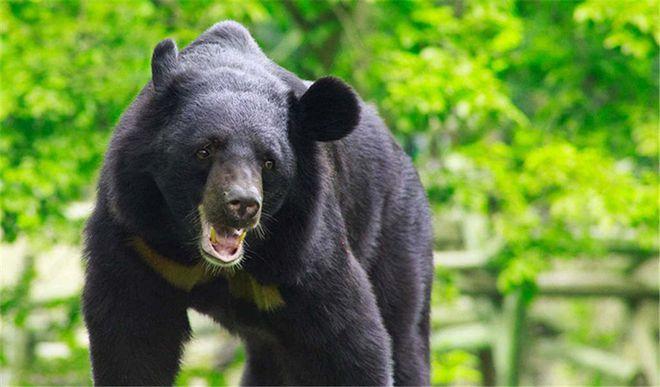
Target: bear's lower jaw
222, 245
221, 260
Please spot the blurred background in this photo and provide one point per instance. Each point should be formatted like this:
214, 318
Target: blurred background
534, 125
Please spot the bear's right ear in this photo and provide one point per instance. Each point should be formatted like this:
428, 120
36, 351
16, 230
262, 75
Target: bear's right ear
163, 63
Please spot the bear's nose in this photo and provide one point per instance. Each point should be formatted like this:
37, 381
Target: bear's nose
242, 205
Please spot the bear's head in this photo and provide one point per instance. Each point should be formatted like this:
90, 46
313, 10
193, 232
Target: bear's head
221, 129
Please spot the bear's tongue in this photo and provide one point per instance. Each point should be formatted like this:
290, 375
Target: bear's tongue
226, 241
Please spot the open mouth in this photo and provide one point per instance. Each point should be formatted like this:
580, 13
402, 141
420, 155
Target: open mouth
222, 245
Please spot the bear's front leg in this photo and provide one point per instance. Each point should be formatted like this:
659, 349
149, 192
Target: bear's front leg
336, 332
136, 325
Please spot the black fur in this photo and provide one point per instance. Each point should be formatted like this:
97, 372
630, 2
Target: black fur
347, 226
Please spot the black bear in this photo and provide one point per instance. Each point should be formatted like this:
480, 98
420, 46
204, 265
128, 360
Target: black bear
281, 208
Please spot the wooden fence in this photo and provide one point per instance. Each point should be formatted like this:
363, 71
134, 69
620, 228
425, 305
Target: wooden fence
502, 341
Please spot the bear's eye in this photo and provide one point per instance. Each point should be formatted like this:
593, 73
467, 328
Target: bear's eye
202, 153
269, 164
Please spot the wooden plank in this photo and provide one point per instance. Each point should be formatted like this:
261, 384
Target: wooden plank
565, 284
467, 259
468, 337
460, 259
592, 358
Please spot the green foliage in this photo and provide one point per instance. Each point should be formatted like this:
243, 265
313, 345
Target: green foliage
539, 117
455, 367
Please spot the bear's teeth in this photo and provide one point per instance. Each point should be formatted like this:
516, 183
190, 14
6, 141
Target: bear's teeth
214, 238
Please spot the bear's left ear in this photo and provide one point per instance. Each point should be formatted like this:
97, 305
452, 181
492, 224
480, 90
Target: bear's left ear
329, 110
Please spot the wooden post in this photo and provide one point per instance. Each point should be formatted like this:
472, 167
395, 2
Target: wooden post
508, 345
486, 366
643, 338
21, 348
